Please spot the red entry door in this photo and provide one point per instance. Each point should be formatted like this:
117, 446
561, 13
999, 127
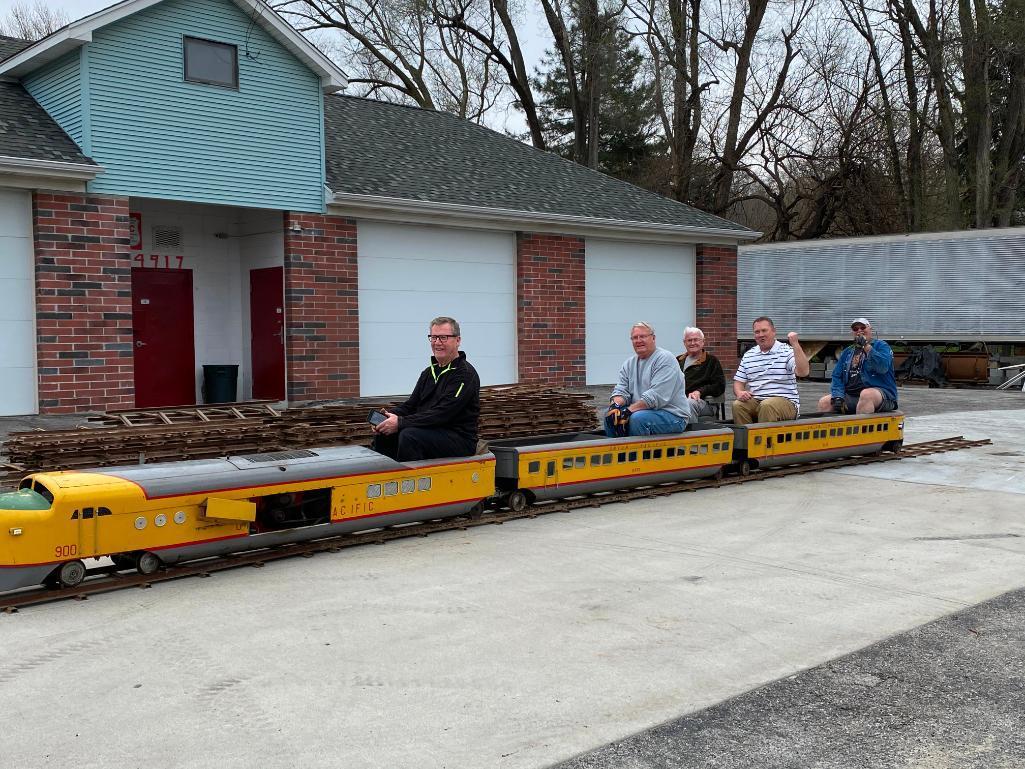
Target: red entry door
165, 353
267, 321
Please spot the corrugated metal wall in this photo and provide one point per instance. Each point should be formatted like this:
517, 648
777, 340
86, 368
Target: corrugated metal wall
58, 89
158, 136
945, 286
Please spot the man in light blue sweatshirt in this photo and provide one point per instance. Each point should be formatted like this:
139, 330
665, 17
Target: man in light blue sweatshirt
651, 387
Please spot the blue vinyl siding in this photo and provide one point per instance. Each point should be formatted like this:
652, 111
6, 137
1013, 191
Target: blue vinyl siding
158, 136
58, 89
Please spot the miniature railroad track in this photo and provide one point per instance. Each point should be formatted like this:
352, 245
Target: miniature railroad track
106, 579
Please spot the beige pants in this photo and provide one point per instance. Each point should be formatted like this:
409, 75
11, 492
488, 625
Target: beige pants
773, 409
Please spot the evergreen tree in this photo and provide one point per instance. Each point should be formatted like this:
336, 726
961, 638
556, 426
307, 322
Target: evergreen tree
625, 109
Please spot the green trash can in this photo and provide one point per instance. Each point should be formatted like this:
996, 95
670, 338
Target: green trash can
220, 383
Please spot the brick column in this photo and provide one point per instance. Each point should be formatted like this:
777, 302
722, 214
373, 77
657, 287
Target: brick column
550, 309
716, 302
321, 307
83, 302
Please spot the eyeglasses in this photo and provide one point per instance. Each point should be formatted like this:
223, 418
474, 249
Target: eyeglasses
635, 337
440, 337
858, 327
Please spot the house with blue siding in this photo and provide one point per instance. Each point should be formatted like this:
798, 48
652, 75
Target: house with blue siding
187, 197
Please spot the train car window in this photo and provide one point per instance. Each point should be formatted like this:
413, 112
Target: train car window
102, 511
595, 460
87, 512
567, 463
758, 440
550, 469
694, 449
850, 431
391, 488
408, 485
671, 451
373, 490
657, 454
646, 454
870, 428
606, 459
621, 457
633, 456
534, 467
74, 516
424, 484
703, 448
581, 461
44, 492
807, 434
25, 484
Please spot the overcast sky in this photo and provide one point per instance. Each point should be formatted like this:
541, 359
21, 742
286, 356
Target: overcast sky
76, 8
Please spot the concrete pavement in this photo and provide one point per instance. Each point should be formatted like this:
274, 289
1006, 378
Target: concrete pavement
525, 644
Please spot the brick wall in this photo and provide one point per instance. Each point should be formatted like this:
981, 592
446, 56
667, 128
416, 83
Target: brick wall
321, 307
716, 302
550, 309
83, 302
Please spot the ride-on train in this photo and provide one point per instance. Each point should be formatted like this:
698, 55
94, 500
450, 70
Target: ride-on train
146, 516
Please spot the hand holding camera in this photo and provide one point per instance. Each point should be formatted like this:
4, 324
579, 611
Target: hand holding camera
860, 340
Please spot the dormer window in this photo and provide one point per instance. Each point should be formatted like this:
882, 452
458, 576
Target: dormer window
211, 63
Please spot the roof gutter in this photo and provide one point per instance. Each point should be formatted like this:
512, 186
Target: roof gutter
430, 212
54, 169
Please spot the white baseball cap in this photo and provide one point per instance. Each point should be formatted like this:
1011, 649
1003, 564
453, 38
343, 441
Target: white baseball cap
862, 321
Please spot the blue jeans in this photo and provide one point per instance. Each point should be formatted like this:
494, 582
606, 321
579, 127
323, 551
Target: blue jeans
653, 422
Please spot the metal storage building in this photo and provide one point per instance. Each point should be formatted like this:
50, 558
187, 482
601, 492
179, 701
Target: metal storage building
935, 287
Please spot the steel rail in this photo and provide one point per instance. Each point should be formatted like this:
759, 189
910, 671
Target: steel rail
106, 579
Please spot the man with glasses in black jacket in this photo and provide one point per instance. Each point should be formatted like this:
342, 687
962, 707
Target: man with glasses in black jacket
440, 417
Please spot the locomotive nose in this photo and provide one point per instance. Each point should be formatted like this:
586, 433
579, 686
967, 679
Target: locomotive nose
14, 511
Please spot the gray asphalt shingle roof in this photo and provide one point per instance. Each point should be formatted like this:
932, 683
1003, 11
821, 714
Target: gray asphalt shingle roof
11, 45
389, 150
27, 131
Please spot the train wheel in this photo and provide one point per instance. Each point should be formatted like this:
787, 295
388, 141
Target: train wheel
517, 501
71, 573
147, 562
745, 468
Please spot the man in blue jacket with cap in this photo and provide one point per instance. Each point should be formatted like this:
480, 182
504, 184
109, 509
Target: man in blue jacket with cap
863, 380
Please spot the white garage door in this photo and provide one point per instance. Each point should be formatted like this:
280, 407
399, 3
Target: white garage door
628, 282
17, 305
410, 274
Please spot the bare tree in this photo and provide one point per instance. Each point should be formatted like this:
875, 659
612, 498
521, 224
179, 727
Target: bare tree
398, 49
756, 61
33, 22
670, 31
504, 50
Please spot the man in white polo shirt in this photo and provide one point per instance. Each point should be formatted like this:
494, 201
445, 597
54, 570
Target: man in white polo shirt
766, 380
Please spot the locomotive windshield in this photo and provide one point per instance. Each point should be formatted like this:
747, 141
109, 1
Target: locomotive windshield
24, 499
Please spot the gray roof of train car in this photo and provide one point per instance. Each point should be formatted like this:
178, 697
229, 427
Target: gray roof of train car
213, 475
588, 440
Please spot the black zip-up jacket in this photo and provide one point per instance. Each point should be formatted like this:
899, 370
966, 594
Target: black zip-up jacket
444, 396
